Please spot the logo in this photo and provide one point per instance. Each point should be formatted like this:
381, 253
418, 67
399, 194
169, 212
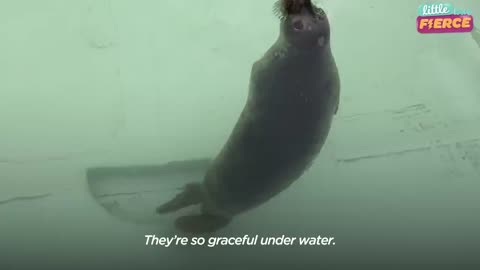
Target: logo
443, 18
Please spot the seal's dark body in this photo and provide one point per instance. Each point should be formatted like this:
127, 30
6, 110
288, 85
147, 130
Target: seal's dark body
292, 98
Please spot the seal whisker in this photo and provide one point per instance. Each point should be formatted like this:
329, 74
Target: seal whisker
283, 8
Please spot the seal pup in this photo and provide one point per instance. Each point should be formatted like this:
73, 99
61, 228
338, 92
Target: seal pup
293, 95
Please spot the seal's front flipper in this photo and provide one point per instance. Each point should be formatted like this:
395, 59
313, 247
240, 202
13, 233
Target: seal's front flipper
476, 35
192, 194
203, 223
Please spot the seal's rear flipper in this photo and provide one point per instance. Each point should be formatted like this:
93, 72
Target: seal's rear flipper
131, 193
192, 194
203, 223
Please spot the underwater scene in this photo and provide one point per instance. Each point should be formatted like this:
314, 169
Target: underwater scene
213, 134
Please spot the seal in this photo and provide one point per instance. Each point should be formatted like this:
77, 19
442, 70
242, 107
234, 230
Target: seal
293, 96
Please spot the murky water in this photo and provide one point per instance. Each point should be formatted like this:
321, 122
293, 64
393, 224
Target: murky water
114, 83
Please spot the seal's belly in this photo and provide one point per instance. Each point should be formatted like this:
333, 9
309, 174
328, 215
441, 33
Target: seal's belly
282, 128
265, 155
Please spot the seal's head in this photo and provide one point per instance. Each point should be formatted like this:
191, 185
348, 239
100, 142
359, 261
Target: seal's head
302, 23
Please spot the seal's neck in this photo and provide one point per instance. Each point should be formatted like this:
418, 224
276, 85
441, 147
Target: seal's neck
321, 47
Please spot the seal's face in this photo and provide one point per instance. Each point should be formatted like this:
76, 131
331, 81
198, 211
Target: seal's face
303, 24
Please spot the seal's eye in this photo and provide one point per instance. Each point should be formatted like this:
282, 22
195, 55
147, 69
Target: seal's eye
297, 25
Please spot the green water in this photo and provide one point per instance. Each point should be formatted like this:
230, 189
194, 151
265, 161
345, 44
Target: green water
96, 83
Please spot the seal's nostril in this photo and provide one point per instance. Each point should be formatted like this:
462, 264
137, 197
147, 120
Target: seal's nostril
298, 25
